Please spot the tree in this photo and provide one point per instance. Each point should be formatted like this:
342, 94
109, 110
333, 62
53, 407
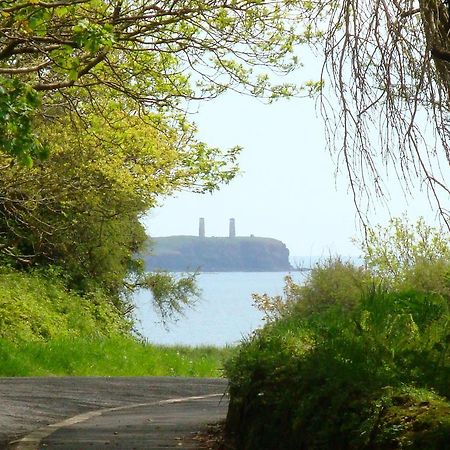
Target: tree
389, 64
156, 54
101, 89
80, 208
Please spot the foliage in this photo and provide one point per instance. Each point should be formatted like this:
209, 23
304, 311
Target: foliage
38, 307
103, 86
17, 104
402, 254
46, 329
361, 371
387, 66
107, 356
331, 283
274, 307
153, 54
80, 208
171, 294
409, 418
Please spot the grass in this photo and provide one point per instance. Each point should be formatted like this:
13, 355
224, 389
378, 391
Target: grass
46, 329
109, 356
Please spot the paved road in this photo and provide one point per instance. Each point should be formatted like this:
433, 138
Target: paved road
79, 413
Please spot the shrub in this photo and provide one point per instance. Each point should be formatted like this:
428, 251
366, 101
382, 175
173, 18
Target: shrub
331, 283
334, 283
34, 306
404, 255
328, 372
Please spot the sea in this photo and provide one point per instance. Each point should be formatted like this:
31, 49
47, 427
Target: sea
224, 314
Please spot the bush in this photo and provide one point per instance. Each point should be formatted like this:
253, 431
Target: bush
329, 371
34, 306
404, 255
332, 283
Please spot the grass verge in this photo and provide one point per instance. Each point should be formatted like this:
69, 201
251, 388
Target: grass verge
110, 356
46, 329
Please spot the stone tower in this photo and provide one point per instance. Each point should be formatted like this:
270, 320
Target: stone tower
201, 227
232, 228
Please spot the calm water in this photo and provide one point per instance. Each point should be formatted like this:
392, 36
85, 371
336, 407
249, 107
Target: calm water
223, 315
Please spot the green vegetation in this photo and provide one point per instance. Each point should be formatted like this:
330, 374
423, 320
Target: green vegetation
352, 359
46, 329
80, 210
58, 58
38, 307
107, 356
94, 133
217, 254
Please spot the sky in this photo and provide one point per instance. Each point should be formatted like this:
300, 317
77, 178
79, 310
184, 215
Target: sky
288, 189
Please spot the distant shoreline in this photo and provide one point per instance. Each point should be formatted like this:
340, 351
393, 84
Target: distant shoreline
302, 269
218, 254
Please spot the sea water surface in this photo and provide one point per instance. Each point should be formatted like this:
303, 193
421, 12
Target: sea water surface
224, 314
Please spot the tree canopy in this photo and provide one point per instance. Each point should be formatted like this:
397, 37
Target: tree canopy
80, 208
388, 62
57, 55
94, 129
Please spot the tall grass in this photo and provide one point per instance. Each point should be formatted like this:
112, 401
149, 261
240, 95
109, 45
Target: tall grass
113, 356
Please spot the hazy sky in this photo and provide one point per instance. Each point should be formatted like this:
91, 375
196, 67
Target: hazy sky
288, 189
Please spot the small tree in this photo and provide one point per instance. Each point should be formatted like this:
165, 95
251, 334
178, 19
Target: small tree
412, 256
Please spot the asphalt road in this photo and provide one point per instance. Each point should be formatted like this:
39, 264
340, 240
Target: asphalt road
90, 413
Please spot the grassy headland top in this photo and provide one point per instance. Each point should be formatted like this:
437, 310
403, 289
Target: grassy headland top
217, 254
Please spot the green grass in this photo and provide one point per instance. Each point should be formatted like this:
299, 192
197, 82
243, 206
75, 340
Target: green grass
46, 329
111, 356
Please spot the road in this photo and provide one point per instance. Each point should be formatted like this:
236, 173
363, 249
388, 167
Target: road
79, 413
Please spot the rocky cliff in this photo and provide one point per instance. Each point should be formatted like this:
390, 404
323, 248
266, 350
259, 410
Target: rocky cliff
217, 254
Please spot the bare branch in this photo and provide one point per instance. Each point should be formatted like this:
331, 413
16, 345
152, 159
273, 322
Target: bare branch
388, 64
14, 71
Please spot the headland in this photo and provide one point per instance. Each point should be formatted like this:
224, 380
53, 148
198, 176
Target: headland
218, 254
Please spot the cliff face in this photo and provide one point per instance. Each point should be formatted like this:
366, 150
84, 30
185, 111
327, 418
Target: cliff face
217, 254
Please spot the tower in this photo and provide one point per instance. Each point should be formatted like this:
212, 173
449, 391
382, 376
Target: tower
232, 228
201, 227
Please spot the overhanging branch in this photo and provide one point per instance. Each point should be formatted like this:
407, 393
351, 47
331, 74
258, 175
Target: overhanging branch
441, 54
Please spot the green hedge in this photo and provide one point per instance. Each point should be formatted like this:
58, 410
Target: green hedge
368, 373
37, 306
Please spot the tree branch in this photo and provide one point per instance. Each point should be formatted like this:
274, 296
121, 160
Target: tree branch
63, 84
42, 5
14, 71
441, 54
410, 13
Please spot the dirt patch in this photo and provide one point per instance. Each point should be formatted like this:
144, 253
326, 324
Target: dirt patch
212, 438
